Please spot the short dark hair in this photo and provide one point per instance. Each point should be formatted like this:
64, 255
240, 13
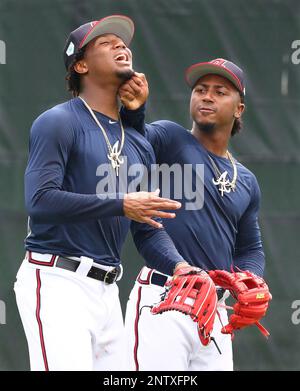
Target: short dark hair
72, 77
238, 123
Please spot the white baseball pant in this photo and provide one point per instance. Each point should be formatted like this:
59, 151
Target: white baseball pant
170, 341
72, 322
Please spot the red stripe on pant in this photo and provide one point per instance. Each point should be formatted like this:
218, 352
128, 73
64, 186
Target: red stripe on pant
136, 331
37, 313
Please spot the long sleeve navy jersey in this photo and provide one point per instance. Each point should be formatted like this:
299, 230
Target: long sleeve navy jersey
67, 213
223, 232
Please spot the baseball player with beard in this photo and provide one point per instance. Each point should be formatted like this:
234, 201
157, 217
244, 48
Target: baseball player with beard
66, 286
223, 234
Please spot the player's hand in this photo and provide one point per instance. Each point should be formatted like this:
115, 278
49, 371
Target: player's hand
252, 297
134, 92
191, 292
144, 206
181, 267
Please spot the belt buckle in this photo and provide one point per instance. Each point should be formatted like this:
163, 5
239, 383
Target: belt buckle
114, 272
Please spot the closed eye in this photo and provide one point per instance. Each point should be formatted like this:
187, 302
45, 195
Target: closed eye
104, 43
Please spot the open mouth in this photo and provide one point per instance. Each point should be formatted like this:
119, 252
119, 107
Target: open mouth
122, 58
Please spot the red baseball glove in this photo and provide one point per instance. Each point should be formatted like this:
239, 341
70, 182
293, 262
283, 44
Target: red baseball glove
192, 292
252, 295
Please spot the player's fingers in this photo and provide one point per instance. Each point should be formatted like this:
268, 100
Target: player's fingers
126, 95
134, 86
166, 206
153, 223
140, 76
126, 88
154, 193
165, 203
142, 195
129, 89
138, 81
126, 98
158, 213
154, 196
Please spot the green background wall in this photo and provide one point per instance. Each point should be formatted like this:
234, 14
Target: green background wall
170, 36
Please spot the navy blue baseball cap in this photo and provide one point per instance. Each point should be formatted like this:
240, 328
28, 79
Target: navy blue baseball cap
120, 25
219, 66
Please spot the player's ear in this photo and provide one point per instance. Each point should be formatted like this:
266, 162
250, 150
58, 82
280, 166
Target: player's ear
81, 67
239, 110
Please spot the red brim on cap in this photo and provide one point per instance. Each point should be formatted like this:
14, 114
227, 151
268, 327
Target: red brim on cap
196, 71
120, 25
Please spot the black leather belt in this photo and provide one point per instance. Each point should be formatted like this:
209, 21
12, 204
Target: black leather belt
160, 279
108, 277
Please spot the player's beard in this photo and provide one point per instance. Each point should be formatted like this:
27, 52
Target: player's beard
125, 75
206, 127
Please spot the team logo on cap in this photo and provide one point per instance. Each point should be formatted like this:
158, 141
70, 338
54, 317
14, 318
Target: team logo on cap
219, 61
70, 49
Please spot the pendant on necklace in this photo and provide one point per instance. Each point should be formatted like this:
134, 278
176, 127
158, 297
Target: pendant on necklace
225, 186
115, 158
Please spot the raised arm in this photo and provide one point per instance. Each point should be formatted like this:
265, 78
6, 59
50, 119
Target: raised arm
52, 139
133, 95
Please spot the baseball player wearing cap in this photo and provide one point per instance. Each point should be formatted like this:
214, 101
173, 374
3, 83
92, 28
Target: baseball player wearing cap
224, 234
65, 289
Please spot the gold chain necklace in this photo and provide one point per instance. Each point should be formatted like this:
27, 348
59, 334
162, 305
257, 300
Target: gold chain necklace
114, 153
225, 186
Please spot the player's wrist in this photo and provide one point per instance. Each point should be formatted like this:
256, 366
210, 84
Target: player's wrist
181, 265
139, 109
